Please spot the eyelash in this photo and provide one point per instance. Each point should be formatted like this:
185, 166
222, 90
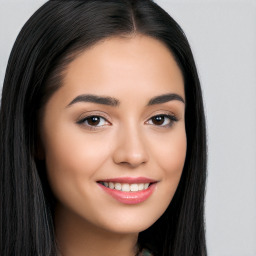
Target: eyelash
88, 126
172, 120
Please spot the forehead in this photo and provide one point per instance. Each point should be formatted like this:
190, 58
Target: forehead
124, 65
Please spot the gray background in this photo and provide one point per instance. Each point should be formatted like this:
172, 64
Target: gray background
222, 35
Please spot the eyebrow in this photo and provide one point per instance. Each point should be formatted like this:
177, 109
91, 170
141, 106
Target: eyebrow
165, 98
95, 99
110, 101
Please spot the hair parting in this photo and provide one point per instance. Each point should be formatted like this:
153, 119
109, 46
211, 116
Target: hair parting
54, 36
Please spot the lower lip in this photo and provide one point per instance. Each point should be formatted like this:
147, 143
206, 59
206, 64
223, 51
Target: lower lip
130, 197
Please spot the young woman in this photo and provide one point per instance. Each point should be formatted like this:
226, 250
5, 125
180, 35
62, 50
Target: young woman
102, 134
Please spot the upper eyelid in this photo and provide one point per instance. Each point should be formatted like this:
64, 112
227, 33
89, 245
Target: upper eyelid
107, 118
162, 112
93, 113
172, 118
81, 120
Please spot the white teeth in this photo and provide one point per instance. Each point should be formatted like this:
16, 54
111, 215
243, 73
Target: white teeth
118, 186
126, 187
141, 186
111, 185
134, 187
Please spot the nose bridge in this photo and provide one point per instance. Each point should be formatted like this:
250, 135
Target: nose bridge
131, 148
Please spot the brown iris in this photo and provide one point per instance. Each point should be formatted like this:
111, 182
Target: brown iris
93, 120
158, 120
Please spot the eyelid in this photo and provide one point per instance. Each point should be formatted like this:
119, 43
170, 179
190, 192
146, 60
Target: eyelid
162, 112
93, 113
173, 118
82, 118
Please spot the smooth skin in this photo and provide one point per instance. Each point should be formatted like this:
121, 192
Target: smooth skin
127, 139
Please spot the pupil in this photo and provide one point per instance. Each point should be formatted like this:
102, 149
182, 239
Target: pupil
94, 120
158, 120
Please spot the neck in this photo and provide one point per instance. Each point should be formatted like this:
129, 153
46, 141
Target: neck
77, 237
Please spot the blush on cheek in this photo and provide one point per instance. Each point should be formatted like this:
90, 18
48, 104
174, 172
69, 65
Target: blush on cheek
172, 156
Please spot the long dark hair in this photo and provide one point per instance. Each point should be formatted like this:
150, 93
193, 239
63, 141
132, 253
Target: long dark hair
51, 39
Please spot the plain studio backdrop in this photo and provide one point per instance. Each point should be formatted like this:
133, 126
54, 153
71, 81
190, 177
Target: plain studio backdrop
222, 35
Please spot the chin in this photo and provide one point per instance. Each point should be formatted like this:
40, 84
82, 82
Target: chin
131, 222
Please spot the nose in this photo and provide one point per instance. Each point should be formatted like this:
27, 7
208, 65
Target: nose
131, 148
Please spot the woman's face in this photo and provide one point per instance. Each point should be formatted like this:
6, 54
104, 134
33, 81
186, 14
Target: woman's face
115, 125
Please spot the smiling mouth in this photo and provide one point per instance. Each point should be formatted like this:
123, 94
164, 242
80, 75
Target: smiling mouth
129, 190
126, 187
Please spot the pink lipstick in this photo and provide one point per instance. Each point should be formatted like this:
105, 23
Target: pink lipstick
128, 190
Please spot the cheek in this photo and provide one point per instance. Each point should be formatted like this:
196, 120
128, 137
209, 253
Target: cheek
72, 160
174, 157
170, 155
170, 151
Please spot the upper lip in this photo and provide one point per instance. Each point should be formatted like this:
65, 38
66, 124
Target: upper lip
129, 180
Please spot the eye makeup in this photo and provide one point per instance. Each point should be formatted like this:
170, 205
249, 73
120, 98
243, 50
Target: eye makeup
162, 120
93, 122
97, 121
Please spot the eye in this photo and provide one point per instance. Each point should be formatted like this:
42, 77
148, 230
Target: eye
93, 121
162, 120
